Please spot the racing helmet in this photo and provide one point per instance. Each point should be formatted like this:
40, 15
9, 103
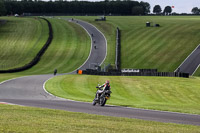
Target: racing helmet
107, 81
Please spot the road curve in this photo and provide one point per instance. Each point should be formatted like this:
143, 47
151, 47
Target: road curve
98, 45
29, 91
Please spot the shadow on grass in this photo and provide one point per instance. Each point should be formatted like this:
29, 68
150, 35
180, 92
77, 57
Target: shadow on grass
2, 22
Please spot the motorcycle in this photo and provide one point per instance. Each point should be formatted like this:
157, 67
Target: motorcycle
104, 96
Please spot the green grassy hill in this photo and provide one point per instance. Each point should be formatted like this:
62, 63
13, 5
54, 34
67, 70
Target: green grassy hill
21, 39
158, 93
163, 48
68, 51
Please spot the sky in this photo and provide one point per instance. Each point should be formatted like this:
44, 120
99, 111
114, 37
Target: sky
180, 6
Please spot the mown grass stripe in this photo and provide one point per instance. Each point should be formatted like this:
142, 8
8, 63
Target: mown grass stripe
37, 57
58, 52
171, 48
148, 51
165, 53
39, 26
18, 41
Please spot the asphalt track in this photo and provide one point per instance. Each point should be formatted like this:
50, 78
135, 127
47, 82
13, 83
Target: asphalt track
98, 45
191, 63
29, 91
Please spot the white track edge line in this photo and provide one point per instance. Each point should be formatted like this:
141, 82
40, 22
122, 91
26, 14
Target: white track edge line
106, 42
196, 70
187, 57
13, 79
58, 96
90, 47
7, 103
101, 34
91, 42
45, 89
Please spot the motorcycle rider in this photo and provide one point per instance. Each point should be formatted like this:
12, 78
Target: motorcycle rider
105, 86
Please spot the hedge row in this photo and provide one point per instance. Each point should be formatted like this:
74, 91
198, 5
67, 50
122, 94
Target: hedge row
118, 50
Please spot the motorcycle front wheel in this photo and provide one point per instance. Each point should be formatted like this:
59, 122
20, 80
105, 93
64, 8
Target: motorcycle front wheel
94, 102
103, 101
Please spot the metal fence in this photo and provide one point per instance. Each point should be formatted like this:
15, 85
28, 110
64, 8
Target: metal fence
140, 73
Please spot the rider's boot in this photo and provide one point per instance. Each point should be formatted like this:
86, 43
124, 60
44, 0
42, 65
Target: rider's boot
97, 97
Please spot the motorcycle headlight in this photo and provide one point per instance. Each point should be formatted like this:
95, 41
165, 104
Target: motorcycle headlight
107, 98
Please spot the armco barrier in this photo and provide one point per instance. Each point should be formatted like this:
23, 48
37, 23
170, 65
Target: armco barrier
138, 70
37, 57
147, 73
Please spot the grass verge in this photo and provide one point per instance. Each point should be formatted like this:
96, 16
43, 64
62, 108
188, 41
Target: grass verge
28, 119
158, 93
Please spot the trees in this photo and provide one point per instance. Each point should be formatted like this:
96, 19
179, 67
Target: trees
2, 8
146, 7
137, 10
157, 9
119, 7
195, 10
167, 10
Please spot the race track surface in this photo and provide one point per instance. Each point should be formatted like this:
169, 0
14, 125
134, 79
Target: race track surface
29, 91
191, 63
98, 45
